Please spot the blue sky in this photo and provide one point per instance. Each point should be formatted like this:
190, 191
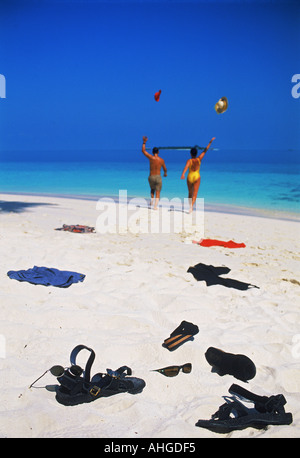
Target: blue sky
81, 76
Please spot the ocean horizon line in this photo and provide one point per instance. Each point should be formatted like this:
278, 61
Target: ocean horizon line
134, 154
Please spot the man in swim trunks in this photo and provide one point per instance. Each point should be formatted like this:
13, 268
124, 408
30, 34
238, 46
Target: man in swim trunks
193, 178
155, 180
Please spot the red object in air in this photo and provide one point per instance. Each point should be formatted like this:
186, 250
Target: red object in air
157, 95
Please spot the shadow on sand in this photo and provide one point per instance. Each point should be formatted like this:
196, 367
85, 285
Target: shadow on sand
18, 207
211, 275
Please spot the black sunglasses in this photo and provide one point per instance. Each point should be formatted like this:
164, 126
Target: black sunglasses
58, 371
172, 371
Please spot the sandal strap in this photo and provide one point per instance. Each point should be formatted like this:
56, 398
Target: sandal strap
119, 373
87, 371
226, 409
272, 404
111, 381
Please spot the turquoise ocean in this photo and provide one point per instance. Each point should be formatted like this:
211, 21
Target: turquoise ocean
244, 186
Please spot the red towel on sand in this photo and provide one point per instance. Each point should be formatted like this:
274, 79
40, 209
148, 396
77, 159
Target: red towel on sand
211, 242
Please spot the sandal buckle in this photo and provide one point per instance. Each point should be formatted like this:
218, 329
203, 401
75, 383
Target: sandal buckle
95, 390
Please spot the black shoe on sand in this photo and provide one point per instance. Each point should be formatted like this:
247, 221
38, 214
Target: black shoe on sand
240, 366
233, 415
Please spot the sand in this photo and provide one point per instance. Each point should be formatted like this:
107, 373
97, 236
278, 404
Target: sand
137, 290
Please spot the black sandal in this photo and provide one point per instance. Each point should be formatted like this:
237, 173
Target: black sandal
76, 386
266, 411
240, 366
183, 333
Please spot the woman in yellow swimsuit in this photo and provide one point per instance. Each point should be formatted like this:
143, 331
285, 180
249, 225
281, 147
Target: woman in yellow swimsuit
193, 178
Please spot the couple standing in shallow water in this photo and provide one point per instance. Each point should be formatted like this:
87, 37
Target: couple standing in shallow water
193, 178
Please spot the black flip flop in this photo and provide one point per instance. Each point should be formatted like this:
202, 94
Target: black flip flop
183, 333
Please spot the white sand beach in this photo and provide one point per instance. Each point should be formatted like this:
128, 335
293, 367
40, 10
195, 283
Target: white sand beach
136, 291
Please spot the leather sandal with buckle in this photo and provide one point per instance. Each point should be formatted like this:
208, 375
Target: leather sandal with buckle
77, 387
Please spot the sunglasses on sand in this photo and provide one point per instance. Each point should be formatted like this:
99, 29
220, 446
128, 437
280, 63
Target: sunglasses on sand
172, 371
59, 371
